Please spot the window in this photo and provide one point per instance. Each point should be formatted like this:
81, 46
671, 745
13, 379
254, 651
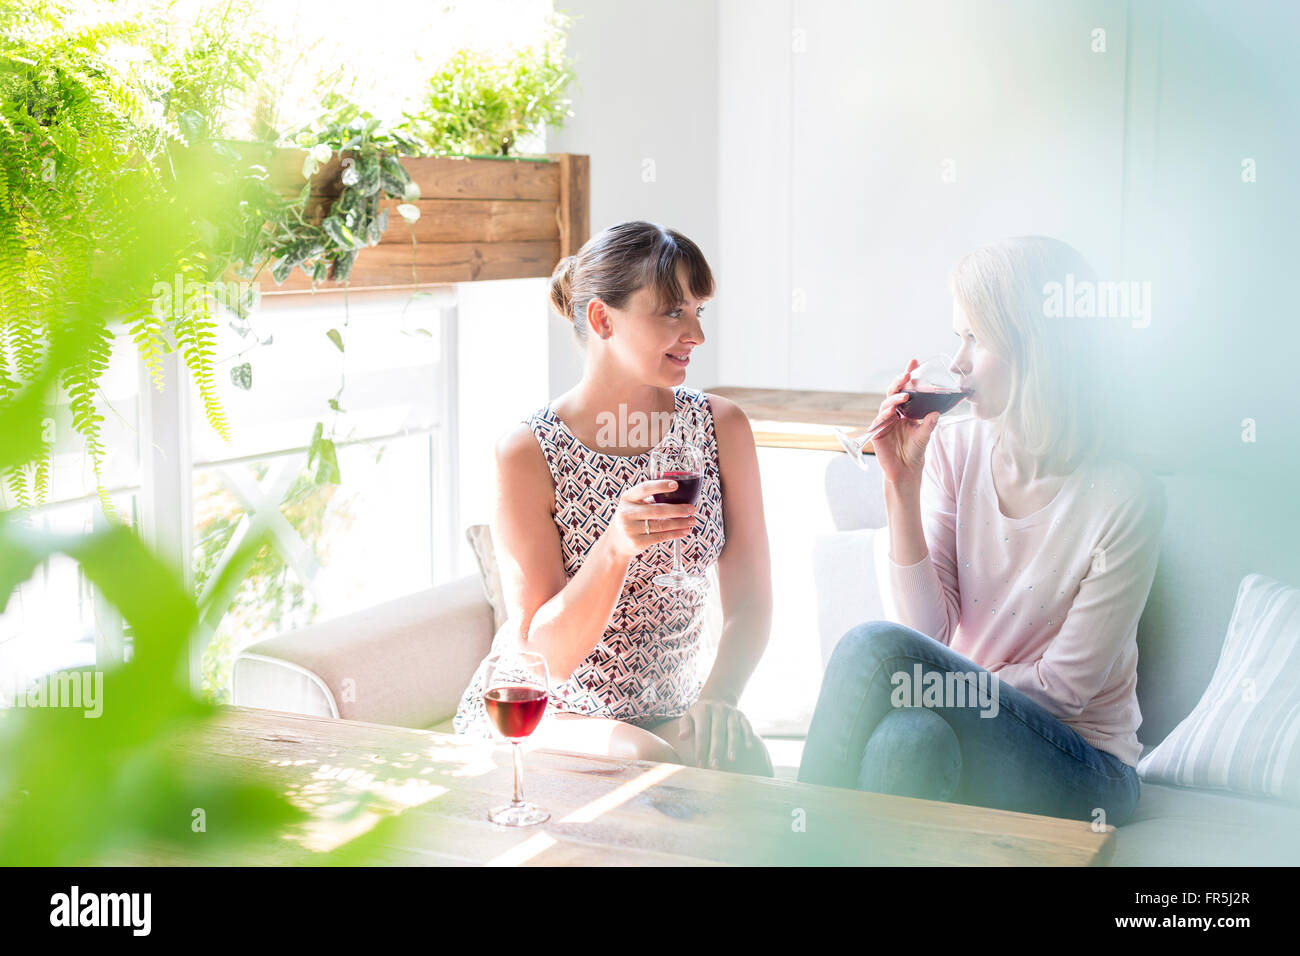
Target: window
384, 529
56, 619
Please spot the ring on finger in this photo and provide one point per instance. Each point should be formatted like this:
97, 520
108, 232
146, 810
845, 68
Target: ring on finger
647, 525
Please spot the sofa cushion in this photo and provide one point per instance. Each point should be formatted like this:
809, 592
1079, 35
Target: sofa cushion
855, 497
1174, 826
1244, 735
1218, 529
480, 542
404, 662
847, 567
443, 726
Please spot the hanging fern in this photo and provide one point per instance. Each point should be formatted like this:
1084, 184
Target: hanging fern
197, 342
82, 143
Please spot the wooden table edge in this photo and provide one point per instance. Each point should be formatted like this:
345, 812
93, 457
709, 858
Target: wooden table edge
1101, 856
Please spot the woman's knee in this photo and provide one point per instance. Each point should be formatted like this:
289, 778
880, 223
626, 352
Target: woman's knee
878, 638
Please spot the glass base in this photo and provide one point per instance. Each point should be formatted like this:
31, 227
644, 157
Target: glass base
518, 815
681, 581
852, 449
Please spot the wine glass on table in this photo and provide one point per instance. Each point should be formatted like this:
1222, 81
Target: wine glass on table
931, 387
682, 462
514, 696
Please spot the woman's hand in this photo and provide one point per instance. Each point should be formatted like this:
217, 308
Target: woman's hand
640, 523
900, 450
721, 733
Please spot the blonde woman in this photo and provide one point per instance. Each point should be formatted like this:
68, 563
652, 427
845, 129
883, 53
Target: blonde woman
1022, 548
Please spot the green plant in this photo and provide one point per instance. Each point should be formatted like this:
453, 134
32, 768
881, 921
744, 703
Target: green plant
91, 111
368, 170
480, 104
84, 132
78, 791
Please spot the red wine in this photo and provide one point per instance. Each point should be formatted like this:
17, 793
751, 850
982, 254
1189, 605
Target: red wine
688, 488
922, 402
516, 709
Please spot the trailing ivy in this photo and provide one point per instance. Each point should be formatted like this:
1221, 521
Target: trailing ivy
368, 170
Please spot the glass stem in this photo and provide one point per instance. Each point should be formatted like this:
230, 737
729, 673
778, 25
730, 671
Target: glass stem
519, 773
677, 557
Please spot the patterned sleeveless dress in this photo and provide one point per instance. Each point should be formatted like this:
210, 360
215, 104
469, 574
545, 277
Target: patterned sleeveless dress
643, 669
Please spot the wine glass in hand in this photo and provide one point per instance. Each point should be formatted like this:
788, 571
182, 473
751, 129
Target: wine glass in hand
514, 696
682, 462
929, 387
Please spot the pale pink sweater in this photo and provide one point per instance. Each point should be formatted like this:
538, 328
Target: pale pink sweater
1049, 602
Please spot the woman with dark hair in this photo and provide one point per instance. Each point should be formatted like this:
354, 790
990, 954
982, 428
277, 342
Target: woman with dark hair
1022, 547
580, 541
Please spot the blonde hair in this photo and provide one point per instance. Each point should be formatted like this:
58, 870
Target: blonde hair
1056, 407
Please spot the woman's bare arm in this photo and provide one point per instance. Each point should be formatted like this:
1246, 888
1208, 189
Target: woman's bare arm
744, 567
560, 618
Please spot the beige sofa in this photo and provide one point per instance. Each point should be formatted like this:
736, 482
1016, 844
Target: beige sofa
405, 662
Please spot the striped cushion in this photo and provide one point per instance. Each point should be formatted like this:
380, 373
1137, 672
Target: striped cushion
1244, 735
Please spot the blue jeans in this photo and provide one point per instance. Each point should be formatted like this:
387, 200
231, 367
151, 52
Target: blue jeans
870, 732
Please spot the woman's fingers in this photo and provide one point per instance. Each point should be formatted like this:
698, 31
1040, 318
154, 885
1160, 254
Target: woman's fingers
654, 537
636, 494
718, 740
893, 401
921, 436
658, 520
702, 730
734, 732
889, 409
899, 382
657, 512
890, 405
674, 526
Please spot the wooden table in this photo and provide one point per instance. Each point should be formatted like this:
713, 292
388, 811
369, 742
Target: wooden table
604, 811
790, 418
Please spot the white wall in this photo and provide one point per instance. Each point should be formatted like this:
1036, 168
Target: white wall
837, 228
1217, 85
503, 329
646, 111
838, 222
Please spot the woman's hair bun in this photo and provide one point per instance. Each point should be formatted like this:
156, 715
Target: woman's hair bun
562, 287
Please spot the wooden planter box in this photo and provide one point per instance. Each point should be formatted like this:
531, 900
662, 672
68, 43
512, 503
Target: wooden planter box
479, 219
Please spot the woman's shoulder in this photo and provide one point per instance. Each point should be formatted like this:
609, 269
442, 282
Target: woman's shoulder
1127, 491
723, 410
730, 423
518, 449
